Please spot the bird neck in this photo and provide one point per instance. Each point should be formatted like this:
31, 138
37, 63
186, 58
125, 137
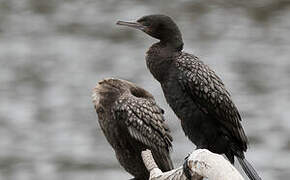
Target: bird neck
174, 43
159, 59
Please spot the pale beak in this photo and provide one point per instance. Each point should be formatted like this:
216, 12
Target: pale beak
135, 25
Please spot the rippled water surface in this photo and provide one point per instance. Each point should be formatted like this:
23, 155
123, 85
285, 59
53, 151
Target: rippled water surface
52, 53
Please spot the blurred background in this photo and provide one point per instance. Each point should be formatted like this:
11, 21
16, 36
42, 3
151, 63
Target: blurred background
53, 52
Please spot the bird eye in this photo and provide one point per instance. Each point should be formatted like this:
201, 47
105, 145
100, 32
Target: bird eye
144, 23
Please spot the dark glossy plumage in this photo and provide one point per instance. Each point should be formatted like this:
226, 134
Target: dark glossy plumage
132, 121
210, 95
196, 94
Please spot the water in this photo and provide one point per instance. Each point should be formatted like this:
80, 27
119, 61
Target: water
52, 53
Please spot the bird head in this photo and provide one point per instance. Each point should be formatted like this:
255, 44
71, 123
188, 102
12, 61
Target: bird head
159, 26
109, 90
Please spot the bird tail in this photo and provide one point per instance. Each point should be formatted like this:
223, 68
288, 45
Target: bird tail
249, 170
163, 160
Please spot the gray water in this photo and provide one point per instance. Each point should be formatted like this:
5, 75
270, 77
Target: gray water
52, 53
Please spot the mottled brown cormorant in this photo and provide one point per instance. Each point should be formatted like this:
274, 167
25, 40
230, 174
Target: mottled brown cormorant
132, 121
196, 94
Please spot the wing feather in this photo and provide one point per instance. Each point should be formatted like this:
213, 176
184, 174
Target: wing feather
209, 92
144, 120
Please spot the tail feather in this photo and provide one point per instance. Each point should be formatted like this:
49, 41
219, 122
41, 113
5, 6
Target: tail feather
163, 160
249, 170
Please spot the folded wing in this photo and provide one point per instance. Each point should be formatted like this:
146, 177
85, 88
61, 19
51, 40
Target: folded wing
144, 121
208, 91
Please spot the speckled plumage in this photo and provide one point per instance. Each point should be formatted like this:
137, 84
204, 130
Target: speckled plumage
210, 95
196, 94
132, 121
199, 98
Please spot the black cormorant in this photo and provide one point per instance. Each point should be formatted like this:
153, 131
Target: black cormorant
196, 94
132, 121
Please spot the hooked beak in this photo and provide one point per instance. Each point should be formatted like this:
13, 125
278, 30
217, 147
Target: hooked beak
132, 24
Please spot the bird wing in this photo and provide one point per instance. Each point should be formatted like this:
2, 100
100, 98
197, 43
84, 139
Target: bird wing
144, 120
208, 91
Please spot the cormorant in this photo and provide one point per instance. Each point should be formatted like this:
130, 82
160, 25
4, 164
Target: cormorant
132, 121
196, 94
